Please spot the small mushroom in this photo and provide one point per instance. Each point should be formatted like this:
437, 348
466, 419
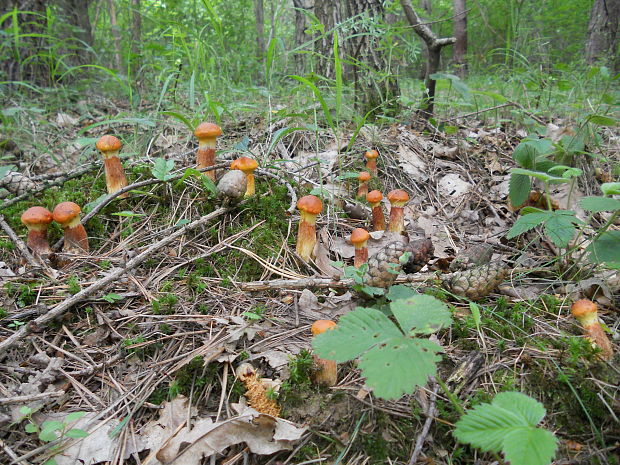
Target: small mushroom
247, 165
378, 219
362, 188
67, 214
110, 146
309, 207
371, 161
37, 220
398, 198
359, 239
207, 134
585, 311
326, 373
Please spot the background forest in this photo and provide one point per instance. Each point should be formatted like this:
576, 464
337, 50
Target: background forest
480, 327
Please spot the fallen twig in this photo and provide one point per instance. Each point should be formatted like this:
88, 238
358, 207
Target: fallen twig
29, 398
66, 304
35, 262
430, 415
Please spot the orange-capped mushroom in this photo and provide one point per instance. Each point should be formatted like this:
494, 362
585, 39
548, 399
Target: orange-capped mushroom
359, 239
398, 199
207, 134
378, 219
371, 161
37, 220
67, 214
327, 370
585, 311
362, 188
309, 207
247, 165
115, 178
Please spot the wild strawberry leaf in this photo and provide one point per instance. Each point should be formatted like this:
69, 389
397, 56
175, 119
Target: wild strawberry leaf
421, 314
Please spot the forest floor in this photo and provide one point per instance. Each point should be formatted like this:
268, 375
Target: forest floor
157, 349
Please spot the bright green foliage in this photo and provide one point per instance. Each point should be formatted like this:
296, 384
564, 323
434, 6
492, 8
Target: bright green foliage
606, 249
600, 204
162, 169
559, 225
508, 425
393, 360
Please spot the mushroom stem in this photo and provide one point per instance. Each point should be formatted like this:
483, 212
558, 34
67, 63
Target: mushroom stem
306, 235
37, 219
378, 219
114, 174
371, 161
361, 256
326, 373
37, 240
585, 311
205, 156
362, 190
397, 220
76, 240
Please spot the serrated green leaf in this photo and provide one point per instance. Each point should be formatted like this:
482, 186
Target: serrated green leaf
525, 154
399, 365
76, 433
519, 189
606, 249
48, 435
560, 229
77, 415
530, 446
611, 188
162, 168
400, 291
601, 120
529, 409
421, 314
599, 204
527, 222
357, 331
485, 426
51, 424
31, 428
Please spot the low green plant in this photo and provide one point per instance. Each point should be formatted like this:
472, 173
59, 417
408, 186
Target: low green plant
393, 357
509, 425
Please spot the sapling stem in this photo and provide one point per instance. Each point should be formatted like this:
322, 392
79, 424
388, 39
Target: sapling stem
451, 397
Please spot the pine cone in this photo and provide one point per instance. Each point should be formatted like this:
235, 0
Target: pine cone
474, 255
384, 266
421, 252
475, 283
16, 183
232, 185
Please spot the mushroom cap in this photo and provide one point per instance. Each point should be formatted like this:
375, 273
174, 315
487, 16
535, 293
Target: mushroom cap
398, 195
66, 211
364, 176
583, 307
207, 130
108, 143
359, 236
371, 154
36, 216
374, 197
310, 204
245, 164
320, 326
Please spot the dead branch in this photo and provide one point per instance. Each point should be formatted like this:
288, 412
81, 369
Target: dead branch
29, 398
430, 415
65, 305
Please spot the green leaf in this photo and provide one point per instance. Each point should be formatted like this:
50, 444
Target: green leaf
519, 189
111, 297
508, 424
475, 313
162, 168
497, 97
560, 229
48, 435
4, 170
208, 184
421, 314
31, 428
399, 365
530, 446
347, 175
606, 249
76, 433
599, 204
319, 97
357, 331
128, 214
611, 188
52, 424
400, 291
601, 120
51, 461
25, 410
545, 177
527, 222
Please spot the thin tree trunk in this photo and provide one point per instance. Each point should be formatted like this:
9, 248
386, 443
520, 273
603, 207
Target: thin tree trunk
115, 34
329, 14
460, 33
300, 30
136, 36
602, 41
259, 14
434, 45
75, 13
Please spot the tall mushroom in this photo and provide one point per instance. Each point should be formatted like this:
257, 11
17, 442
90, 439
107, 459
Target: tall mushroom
378, 219
247, 165
398, 198
371, 161
326, 373
207, 134
309, 207
359, 239
67, 214
37, 219
585, 311
362, 188
115, 178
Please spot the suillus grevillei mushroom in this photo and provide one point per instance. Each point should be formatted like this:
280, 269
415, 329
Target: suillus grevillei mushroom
115, 178
309, 207
398, 199
207, 134
247, 165
37, 220
362, 188
378, 219
67, 214
359, 239
371, 161
585, 311
326, 373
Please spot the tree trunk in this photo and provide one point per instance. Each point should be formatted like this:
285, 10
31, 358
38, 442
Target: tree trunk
259, 14
300, 30
602, 39
75, 13
115, 34
434, 45
329, 14
460, 33
136, 36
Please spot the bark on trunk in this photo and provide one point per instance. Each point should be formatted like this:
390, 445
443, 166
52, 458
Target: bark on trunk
136, 36
259, 14
460, 33
115, 34
602, 41
75, 13
434, 45
300, 30
329, 14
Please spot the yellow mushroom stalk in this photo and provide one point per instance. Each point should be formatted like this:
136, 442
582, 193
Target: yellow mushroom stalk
398, 199
115, 178
207, 134
585, 311
326, 373
247, 165
309, 207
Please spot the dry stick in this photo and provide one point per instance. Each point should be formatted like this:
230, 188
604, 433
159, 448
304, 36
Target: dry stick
255, 286
430, 415
66, 304
497, 107
19, 243
31, 397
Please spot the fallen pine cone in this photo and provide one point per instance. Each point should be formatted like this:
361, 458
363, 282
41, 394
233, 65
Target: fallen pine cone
232, 186
475, 283
16, 183
384, 266
472, 256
